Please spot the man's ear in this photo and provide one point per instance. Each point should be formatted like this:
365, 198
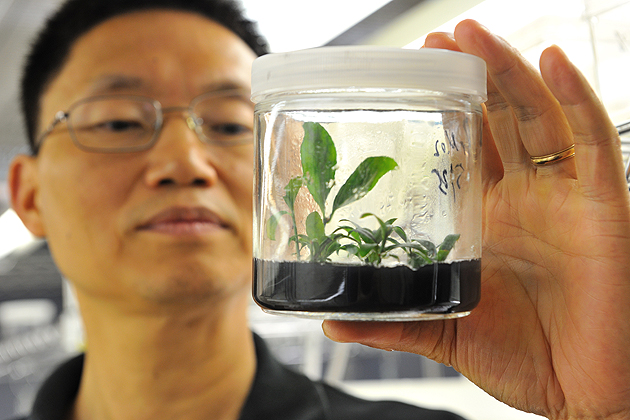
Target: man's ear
24, 187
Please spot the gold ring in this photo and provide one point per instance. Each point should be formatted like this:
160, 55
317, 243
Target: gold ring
563, 154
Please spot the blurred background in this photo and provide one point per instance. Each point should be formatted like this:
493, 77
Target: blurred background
39, 322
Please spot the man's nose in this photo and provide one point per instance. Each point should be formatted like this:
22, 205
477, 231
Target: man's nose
179, 157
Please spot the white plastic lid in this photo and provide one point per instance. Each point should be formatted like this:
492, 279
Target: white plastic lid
369, 67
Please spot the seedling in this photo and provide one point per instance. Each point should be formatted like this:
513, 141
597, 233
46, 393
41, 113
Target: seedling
373, 246
319, 161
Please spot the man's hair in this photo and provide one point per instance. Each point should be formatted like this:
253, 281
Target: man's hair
51, 48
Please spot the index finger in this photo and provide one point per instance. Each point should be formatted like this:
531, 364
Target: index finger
492, 165
541, 125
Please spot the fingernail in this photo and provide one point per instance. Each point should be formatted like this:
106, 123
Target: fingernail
438, 37
447, 34
479, 25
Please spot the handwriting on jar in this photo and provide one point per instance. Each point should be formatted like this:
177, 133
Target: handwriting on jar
450, 177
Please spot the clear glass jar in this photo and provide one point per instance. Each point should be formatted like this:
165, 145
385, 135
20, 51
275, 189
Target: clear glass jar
368, 183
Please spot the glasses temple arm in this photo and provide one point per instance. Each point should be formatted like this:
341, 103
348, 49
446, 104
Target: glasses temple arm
59, 117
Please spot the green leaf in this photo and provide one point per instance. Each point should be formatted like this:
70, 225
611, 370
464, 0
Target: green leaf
351, 249
314, 226
363, 179
322, 247
366, 235
392, 240
385, 230
272, 224
359, 233
329, 246
400, 231
446, 246
417, 260
291, 191
319, 159
366, 248
428, 246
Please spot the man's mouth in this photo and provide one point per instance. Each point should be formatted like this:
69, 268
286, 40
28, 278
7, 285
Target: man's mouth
184, 221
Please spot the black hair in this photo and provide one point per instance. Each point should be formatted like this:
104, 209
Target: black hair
76, 17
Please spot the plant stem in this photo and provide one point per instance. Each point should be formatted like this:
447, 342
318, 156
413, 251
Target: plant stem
295, 231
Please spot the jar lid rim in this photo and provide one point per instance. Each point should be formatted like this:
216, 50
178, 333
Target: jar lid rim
369, 67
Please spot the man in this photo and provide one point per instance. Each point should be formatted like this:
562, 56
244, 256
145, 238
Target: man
155, 232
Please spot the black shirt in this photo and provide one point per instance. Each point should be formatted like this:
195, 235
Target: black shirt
278, 393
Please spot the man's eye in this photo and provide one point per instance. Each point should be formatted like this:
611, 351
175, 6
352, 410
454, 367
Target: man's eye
230, 129
120, 125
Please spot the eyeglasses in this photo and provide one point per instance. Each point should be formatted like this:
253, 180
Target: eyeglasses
124, 123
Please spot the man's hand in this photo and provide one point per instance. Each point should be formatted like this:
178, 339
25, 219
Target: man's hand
551, 334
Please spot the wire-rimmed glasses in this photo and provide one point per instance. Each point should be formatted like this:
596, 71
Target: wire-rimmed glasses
127, 123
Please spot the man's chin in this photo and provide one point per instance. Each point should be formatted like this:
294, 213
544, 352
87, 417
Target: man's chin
192, 288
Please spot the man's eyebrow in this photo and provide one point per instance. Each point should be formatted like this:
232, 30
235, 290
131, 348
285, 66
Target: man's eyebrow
116, 82
228, 85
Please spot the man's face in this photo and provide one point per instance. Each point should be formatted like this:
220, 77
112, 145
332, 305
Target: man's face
169, 224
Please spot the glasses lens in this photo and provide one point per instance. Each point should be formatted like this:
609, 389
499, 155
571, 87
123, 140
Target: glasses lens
113, 124
224, 118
